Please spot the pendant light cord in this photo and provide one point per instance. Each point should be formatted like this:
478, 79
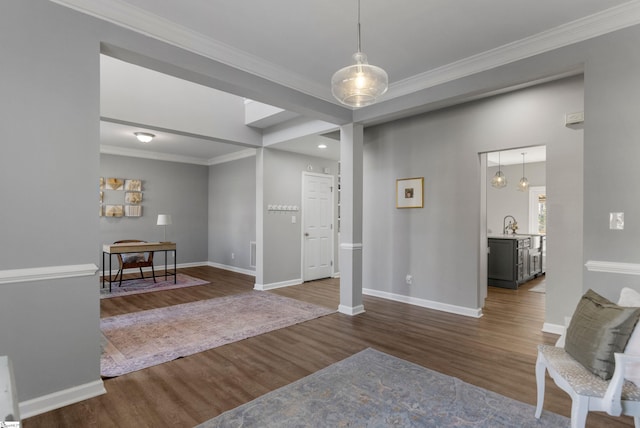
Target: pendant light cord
359, 47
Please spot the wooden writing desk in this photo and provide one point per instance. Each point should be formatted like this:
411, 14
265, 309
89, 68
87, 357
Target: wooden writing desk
140, 247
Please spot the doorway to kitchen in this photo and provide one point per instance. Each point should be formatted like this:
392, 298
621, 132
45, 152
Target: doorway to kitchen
516, 218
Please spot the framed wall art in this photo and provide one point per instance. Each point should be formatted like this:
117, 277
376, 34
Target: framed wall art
410, 192
133, 198
114, 211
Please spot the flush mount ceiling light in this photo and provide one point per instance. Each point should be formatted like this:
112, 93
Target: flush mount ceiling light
499, 180
144, 137
523, 185
322, 146
360, 84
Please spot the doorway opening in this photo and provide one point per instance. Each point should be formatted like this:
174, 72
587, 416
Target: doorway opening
515, 217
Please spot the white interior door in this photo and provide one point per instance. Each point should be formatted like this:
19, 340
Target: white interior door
317, 226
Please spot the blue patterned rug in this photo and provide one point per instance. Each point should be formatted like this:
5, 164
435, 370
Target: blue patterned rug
373, 389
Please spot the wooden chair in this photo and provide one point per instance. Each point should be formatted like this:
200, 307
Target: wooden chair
134, 260
588, 392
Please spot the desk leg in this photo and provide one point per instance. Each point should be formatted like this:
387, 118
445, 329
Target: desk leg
110, 279
166, 266
103, 269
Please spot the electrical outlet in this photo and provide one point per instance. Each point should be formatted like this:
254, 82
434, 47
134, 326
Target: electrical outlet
233, 256
409, 279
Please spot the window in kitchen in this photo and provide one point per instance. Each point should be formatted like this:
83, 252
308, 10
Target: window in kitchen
538, 210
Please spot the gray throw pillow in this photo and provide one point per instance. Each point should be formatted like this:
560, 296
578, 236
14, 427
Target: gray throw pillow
598, 329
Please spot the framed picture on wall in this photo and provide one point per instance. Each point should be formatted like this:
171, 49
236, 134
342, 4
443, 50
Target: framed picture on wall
133, 198
133, 210
409, 192
115, 183
133, 185
114, 211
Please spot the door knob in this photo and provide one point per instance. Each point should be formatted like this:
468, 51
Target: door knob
306, 234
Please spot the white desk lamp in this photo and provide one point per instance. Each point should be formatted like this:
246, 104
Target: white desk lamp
164, 220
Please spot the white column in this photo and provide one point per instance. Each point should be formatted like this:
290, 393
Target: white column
259, 284
351, 147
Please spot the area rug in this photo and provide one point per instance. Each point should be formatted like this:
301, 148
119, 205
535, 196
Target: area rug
540, 288
137, 286
373, 389
142, 339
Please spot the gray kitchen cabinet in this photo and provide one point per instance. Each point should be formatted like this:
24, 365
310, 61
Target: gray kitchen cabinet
515, 259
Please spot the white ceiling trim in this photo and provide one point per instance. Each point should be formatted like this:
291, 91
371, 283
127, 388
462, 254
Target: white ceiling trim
232, 156
120, 151
615, 18
141, 21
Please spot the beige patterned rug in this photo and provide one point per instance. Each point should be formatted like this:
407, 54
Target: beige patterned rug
143, 339
137, 286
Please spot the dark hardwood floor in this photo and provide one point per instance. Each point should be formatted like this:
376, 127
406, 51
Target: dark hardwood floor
496, 352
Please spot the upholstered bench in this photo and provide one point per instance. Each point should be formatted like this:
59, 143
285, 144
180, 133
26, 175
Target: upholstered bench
588, 392
601, 381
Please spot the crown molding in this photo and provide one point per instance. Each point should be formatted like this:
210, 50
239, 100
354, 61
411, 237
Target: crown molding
136, 19
141, 21
143, 154
232, 156
607, 21
119, 151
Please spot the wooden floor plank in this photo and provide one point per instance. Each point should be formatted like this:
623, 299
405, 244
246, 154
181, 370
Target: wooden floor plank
496, 352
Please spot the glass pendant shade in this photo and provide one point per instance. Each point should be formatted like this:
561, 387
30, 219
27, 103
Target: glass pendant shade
360, 84
499, 180
523, 185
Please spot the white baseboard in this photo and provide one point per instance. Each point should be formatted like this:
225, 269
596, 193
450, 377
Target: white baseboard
335, 275
351, 310
59, 399
274, 285
444, 307
232, 268
553, 328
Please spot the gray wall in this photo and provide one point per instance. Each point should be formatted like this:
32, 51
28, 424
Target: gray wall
283, 185
49, 170
232, 212
174, 188
611, 156
438, 244
510, 201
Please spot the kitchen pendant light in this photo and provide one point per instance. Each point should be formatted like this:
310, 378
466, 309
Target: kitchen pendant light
523, 185
360, 84
499, 180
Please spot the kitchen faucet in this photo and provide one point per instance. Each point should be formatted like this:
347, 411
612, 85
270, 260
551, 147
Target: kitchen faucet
512, 225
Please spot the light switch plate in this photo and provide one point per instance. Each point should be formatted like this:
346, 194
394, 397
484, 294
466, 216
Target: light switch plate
616, 221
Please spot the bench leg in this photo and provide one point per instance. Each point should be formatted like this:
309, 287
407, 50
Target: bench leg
541, 369
579, 410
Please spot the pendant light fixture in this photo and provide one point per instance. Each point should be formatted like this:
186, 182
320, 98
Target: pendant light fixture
523, 185
499, 180
360, 84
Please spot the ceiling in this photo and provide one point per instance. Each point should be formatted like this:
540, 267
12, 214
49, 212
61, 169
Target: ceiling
421, 44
